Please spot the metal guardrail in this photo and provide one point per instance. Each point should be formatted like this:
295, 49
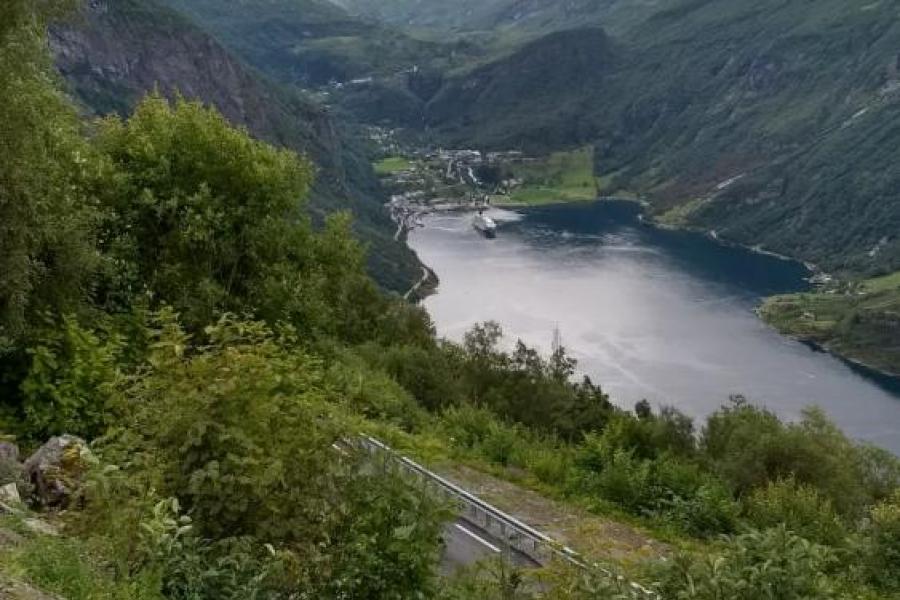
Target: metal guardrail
519, 536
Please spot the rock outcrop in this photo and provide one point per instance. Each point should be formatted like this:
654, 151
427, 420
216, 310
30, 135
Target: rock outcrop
57, 470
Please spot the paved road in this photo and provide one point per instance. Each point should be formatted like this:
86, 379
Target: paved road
466, 544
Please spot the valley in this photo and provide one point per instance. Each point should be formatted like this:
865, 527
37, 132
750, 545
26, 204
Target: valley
470, 300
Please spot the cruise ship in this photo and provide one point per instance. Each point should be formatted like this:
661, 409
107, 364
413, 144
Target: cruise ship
485, 225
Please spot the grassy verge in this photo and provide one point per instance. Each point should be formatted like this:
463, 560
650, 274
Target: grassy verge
859, 321
391, 164
63, 566
560, 177
530, 477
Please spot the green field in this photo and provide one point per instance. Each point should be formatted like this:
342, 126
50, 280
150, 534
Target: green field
859, 321
561, 177
391, 164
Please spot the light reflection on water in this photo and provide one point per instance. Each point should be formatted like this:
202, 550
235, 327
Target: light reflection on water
651, 314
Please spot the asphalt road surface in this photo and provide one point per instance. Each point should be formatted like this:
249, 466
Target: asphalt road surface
466, 544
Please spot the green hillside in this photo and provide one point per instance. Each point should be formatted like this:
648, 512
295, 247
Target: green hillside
96, 57
519, 16
768, 120
860, 320
310, 42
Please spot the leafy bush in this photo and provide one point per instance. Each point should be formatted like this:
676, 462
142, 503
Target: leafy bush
625, 480
430, 374
373, 394
503, 444
669, 487
883, 545
467, 426
189, 567
240, 431
708, 510
770, 564
749, 447
799, 508
70, 382
552, 464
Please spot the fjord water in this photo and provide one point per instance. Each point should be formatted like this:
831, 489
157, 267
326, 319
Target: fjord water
662, 315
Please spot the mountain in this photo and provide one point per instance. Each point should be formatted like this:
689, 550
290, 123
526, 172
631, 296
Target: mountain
536, 98
766, 122
771, 123
498, 15
310, 42
121, 50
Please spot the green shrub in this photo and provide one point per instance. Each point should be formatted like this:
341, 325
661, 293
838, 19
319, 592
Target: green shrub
551, 464
690, 498
503, 444
749, 447
467, 426
625, 480
774, 564
429, 374
799, 508
240, 432
882, 538
372, 393
709, 510
70, 381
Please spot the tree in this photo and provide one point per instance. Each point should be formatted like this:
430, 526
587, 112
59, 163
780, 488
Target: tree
207, 220
46, 217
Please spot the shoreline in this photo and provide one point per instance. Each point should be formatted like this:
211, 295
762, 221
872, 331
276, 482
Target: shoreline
825, 348
885, 378
813, 270
710, 233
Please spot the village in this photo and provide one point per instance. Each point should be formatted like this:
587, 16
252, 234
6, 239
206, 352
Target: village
426, 180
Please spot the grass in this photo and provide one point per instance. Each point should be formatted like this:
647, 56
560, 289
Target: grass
883, 284
66, 567
561, 177
392, 164
538, 470
679, 215
858, 321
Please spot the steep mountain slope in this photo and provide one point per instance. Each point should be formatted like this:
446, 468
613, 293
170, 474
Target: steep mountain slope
121, 50
771, 122
492, 15
536, 98
309, 42
799, 103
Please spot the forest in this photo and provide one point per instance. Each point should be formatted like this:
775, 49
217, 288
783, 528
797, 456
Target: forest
166, 297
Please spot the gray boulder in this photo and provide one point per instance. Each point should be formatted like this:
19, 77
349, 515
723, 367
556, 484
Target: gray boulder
57, 469
9, 494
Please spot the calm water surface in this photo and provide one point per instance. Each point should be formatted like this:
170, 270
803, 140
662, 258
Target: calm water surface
651, 314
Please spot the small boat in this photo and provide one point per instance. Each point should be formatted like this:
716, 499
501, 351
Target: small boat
485, 225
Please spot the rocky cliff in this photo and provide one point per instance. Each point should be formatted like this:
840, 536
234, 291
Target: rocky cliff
116, 52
